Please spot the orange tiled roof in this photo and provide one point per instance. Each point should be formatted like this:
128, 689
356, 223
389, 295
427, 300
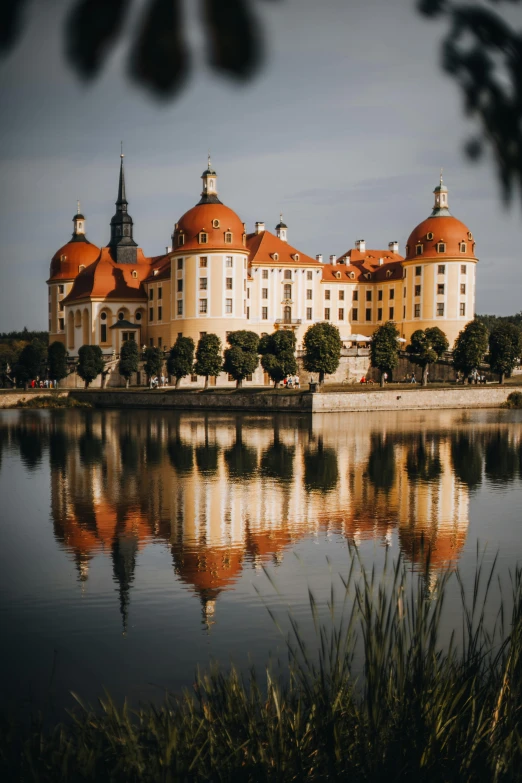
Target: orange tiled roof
201, 218
356, 265
445, 229
262, 247
67, 260
105, 279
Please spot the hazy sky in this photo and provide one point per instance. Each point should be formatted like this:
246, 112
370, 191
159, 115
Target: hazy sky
344, 129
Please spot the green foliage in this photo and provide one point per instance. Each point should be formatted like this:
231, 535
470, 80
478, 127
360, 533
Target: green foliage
57, 360
209, 361
491, 321
426, 347
514, 400
32, 362
25, 336
241, 358
470, 347
153, 361
505, 344
129, 359
90, 363
278, 354
384, 348
181, 358
322, 346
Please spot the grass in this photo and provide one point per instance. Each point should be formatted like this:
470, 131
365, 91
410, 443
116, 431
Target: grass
52, 401
382, 699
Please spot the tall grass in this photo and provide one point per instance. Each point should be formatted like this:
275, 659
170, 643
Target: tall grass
382, 698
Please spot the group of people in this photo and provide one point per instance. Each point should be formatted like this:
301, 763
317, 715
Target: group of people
291, 382
156, 383
37, 383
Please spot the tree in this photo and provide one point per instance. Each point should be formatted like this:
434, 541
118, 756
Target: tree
57, 360
505, 344
181, 359
470, 347
322, 345
426, 347
129, 360
278, 354
241, 358
209, 361
90, 363
384, 348
153, 362
31, 362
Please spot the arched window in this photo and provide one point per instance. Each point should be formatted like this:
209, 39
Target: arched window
419, 249
287, 314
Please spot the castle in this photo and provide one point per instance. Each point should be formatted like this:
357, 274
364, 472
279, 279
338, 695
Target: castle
216, 277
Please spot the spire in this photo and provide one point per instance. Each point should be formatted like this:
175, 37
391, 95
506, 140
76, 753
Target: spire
440, 207
79, 226
122, 244
209, 193
281, 228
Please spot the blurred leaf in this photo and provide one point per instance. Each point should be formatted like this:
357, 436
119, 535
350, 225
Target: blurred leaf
92, 29
232, 36
11, 23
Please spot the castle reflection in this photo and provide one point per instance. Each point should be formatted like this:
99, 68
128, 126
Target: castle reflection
226, 492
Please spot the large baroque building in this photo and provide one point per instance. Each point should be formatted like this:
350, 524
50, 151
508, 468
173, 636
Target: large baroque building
217, 277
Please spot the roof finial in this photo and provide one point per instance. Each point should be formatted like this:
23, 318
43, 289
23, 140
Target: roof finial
441, 175
208, 159
78, 207
281, 217
121, 150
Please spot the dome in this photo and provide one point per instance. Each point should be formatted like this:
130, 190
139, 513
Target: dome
66, 261
446, 230
214, 220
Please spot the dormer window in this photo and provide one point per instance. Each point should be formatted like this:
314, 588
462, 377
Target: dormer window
429, 235
181, 240
275, 256
203, 238
215, 223
134, 274
228, 237
337, 275
470, 236
351, 275
463, 247
418, 250
407, 250
389, 273
441, 247
81, 267
368, 275
296, 256
155, 272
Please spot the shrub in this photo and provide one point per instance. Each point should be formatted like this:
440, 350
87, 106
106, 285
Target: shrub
514, 400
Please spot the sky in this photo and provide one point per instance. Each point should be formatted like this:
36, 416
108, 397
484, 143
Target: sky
344, 129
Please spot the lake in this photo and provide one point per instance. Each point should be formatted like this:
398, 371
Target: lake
138, 545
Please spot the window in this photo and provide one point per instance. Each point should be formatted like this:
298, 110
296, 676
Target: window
441, 269
229, 281
368, 314
264, 293
181, 242
151, 294
215, 223
368, 296
193, 378
275, 256
463, 247
180, 263
326, 313
416, 311
417, 290
248, 293
463, 269
463, 288
392, 293
228, 305
404, 311
309, 294
248, 313
418, 271
160, 293
103, 333
287, 291
341, 296
308, 313
61, 324
407, 251
440, 308
137, 317
248, 377
327, 294
392, 313
288, 274
202, 305
151, 313
50, 305
463, 308
404, 292
355, 296
60, 304
151, 342
229, 262
203, 283
429, 235
180, 286
134, 274
228, 238
341, 314
160, 313
180, 307
264, 274
309, 275
60, 289
203, 238
180, 334
264, 313
103, 316
379, 313
441, 247
418, 250
160, 339
379, 295
203, 262
355, 314
440, 289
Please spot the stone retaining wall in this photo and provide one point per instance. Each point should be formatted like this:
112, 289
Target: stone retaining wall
414, 399
263, 401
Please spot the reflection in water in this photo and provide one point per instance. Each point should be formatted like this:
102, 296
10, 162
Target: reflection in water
226, 492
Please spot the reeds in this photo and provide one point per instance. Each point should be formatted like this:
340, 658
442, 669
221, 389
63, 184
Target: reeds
382, 698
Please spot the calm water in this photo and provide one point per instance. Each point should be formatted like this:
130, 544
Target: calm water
134, 545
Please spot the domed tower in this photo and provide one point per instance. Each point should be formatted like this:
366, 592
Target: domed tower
209, 263
66, 264
439, 272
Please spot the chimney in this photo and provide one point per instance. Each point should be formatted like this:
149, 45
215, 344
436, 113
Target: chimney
381, 261
168, 249
260, 227
393, 247
360, 245
333, 260
319, 258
